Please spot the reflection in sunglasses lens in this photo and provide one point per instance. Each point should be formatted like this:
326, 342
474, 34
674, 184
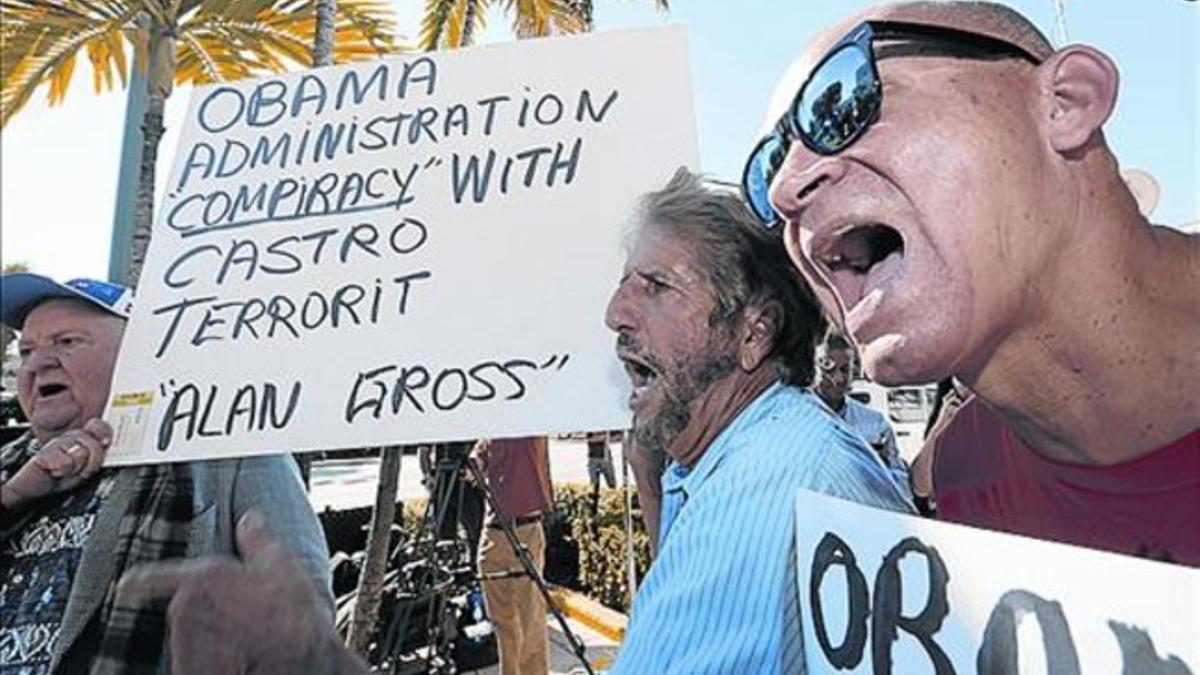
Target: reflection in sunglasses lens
839, 100
760, 170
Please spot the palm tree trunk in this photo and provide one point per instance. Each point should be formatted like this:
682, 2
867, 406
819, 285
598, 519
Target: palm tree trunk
370, 582
323, 39
159, 84
468, 30
322, 55
584, 10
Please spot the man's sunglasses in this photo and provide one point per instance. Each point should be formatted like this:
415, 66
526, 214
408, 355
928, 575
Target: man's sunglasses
827, 365
843, 96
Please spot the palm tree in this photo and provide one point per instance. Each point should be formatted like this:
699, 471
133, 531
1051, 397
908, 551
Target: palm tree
323, 37
448, 24
365, 615
180, 41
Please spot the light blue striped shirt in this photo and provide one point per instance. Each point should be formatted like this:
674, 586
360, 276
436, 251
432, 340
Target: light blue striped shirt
875, 430
721, 597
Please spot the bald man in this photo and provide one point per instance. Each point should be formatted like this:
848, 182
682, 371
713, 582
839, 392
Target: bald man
941, 177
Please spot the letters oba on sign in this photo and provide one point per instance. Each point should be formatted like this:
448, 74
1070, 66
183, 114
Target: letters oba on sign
407, 250
887, 593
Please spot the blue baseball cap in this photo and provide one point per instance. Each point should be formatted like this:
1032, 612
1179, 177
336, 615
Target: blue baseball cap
21, 292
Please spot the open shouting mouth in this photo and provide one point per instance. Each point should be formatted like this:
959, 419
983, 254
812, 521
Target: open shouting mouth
862, 262
642, 372
51, 390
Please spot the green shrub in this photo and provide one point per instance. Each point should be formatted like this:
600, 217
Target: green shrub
603, 573
584, 551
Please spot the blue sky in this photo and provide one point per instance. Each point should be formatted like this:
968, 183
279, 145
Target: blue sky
58, 165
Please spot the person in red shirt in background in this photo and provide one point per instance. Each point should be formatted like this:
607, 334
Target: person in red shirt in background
942, 179
517, 471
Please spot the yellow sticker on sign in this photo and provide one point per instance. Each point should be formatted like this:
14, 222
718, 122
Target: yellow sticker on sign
133, 398
129, 416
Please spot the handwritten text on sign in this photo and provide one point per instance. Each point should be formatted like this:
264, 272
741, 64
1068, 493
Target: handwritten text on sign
409, 249
887, 593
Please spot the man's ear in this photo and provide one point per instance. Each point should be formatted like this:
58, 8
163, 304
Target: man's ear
763, 325
1082, 83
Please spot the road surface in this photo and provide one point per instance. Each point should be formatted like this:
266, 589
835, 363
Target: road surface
350, 483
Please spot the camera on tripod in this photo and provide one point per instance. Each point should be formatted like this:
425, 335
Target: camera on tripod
431, 612
431, 608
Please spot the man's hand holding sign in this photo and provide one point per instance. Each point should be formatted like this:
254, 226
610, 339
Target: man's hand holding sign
60, 465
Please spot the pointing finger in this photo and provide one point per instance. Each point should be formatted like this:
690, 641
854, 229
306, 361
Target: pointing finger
255, 544
163, 579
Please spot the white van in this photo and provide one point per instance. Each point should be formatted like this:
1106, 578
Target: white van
906, 408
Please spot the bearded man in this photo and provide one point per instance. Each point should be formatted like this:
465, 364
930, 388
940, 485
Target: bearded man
717, 333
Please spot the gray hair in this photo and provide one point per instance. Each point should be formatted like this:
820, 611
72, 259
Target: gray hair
745, 263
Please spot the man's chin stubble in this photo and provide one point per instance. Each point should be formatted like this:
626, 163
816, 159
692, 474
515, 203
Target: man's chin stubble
659, 432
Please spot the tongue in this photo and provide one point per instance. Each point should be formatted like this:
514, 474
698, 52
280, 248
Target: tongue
884, 271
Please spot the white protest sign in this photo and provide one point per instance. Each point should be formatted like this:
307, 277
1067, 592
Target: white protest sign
411, 249
887, 593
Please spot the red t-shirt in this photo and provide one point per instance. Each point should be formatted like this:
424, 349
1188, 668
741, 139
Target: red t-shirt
984, 475
518, 473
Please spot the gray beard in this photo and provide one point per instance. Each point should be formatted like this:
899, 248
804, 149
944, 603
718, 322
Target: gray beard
689, 382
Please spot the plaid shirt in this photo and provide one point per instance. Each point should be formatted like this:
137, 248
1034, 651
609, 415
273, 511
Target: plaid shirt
124, 636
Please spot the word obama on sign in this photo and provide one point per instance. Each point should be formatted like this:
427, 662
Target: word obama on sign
411, 249
887, 593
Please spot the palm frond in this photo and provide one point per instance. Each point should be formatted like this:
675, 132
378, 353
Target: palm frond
537, 18
364, 28
60, 77
53, 63
566, 19
453, 30
433, 23
107, 54
198, 62
42, 40
262, 46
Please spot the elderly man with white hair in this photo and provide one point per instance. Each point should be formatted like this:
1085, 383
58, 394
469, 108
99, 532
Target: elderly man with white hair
71, 528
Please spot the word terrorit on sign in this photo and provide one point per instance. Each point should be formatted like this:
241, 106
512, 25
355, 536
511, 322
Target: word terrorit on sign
415, 249
888, 593
241, 260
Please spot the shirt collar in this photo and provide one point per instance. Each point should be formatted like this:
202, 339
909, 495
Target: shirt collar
677, 477
846, 403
